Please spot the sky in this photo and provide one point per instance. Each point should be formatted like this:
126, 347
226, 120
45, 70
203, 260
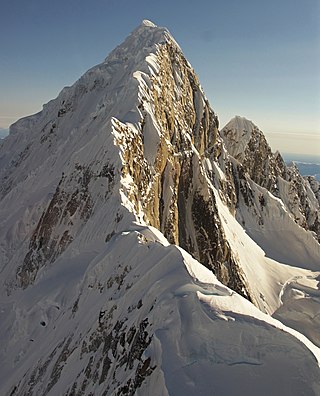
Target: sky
257, 59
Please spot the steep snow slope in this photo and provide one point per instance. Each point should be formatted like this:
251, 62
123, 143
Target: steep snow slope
96, 300
62, 161
272, 217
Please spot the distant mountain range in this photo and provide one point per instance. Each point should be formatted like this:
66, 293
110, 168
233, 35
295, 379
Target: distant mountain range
307, 169
308, 165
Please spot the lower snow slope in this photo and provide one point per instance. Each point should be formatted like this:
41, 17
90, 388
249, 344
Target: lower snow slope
145, 315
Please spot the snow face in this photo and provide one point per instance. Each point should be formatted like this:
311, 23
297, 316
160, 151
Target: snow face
238, 132
97, 191
158, 304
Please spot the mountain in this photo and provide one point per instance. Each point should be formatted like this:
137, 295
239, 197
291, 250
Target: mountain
143, 251
246, 143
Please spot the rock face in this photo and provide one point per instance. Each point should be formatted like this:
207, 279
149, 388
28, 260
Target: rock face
109, 195
165, 156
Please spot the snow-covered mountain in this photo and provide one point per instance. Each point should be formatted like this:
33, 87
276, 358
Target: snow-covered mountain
143, 252
301, 196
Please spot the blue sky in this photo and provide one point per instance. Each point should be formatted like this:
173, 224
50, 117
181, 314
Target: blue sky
258, 59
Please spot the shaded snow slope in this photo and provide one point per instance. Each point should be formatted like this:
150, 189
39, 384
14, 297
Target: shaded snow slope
277, 210
273, 283
144, 315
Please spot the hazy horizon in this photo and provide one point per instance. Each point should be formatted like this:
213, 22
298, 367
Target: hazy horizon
291, 156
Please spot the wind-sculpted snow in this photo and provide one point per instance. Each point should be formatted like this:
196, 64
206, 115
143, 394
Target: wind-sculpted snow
142, 314
111, 197
299, 309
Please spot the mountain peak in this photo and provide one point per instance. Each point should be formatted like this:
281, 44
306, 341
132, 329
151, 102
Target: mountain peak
237, 134
148, 23
240, 122
140, 41
104, 196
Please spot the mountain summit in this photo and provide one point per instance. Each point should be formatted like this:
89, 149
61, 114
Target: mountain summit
143, 251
